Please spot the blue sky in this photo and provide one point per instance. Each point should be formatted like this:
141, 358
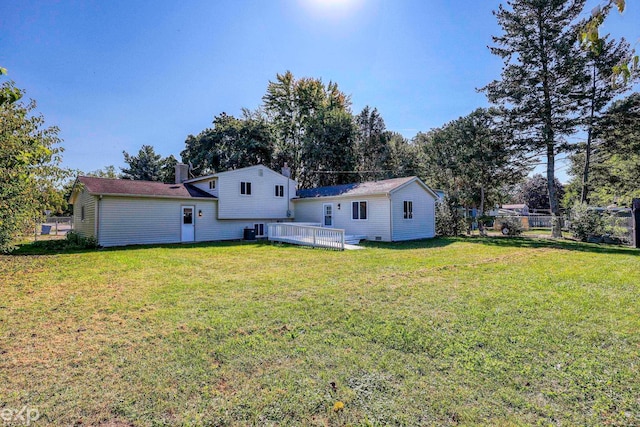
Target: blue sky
114, 75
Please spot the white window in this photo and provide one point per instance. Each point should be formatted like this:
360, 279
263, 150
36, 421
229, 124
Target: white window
259, 229
359, 210
408, 209
245, 188
279, 190
212, 185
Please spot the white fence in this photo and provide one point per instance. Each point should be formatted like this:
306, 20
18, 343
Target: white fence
56, 225
306, 235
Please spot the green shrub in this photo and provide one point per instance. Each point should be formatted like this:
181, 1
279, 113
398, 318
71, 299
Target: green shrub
73, 241
585, 222
510, 226
615, 228
449, 219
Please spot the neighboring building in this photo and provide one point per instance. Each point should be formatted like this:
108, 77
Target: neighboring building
221, 206
389, 210
518, 209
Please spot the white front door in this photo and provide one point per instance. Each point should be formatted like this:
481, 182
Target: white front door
188, 224
327, 210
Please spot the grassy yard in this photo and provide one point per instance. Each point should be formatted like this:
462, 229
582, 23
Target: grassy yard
451, 331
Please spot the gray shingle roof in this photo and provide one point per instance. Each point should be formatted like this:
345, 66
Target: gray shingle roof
360, 189
128, 187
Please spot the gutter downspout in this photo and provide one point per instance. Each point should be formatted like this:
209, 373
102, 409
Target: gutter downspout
97, 219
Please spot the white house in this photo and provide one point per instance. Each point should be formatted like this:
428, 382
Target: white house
389, 210
221, 206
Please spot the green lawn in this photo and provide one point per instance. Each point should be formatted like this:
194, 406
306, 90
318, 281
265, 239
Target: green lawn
450, 331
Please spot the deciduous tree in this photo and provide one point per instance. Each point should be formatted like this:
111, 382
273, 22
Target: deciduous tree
29, 164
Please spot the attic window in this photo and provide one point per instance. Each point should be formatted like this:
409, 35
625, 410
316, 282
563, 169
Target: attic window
212, 185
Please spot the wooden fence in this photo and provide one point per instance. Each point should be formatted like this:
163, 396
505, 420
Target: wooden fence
306, 235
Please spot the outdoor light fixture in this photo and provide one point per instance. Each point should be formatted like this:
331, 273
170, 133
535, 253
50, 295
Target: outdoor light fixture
200, 212
338, 206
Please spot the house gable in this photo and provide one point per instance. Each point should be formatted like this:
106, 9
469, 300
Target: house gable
254, 192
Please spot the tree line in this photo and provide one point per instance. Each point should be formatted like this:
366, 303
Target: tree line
561, 81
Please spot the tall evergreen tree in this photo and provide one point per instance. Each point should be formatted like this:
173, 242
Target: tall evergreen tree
615, 170
146, 166
541, 78
600, 91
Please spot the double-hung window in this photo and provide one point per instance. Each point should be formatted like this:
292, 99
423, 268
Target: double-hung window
408, 209
245, 188
279, 190
359, 210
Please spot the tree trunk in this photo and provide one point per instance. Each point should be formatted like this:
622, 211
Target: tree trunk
481, 229
548, 135
587, 155
556, 230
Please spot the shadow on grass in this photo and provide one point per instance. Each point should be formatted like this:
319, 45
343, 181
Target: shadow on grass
515, 242
30, 249
564, 244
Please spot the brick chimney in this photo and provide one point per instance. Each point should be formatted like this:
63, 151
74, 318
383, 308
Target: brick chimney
182, 173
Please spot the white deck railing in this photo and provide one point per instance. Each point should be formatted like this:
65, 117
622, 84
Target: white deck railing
307, 235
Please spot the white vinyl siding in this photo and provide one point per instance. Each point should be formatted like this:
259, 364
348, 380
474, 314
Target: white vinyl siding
87, 203
210, 186
376, 227
422, 223
261, 204
134, 221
